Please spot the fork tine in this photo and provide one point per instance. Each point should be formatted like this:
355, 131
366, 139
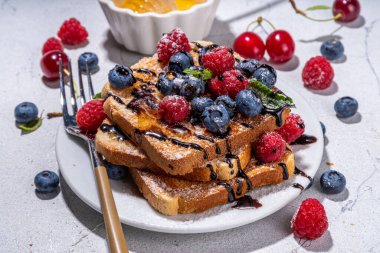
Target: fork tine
72, 91
81, 90
63, 94
89, 81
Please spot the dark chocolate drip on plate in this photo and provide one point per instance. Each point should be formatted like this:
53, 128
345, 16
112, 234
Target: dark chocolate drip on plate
297, 171
304, 140
247, 202
297, 185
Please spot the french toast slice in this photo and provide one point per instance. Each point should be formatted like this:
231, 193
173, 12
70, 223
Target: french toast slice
177, 150
172, 196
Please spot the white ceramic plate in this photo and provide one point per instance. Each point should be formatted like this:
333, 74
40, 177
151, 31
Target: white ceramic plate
134, 210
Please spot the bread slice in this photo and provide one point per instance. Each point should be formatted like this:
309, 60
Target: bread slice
172, 196
176, 150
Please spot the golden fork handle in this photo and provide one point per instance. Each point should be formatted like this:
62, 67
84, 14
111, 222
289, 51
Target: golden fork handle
116, 240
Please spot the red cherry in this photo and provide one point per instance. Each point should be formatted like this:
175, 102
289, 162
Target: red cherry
280, 46
349, 9
50, 63
249, 45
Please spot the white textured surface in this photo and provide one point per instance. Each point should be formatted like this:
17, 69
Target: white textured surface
30, 223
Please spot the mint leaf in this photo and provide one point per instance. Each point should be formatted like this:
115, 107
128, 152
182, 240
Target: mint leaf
204, 74
318, 7
97, 96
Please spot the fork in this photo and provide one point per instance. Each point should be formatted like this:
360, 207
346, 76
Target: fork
115, 235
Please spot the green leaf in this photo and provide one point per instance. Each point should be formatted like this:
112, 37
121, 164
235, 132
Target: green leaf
97, 96
318, 7
31, 126
204, 74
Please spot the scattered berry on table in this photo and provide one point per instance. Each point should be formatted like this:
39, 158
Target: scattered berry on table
248, 67
50, 64
219, 60
332, 49
115, 172
192, 87
89, 60
249, 45
323, 127
46, 181
266, 74
270, 147
332, 182
72, 32
310, 220
248, 103
52, 44
229, 83
26, 112
180, 61
317, 73
215, 118
346, 107
173, 109
172, 43
121, 77
199, 104
90, 116
228, 103
293, 128
349, 9
280, 46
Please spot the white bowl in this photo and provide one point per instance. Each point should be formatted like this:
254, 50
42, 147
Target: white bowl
140, 32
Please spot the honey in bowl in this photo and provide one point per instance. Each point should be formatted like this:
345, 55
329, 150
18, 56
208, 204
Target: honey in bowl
162, 6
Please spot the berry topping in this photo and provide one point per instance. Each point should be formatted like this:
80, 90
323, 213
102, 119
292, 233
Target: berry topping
293, 128
317, 73
180, 61
90, 116
121, 77
346, 107
332, 49
266, 74
248, 103
173, 109
229, 83
248, 67
26, 112
89, 60
332, 182
215, 118
219, 60
270, 147
192, 87
199, 104
310, 221
228, 103
72, 32
165, 84
172, 43
249, 45
348, 9
52, 44
50, 64
323, 128
280, 46
115, 172
46, 181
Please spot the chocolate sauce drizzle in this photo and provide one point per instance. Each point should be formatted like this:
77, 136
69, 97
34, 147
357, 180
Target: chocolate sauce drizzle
297, 185
285, 172
276, 113
106, 128
145, 71
297, 171
230, 191
213, 175
304, 140
247, 202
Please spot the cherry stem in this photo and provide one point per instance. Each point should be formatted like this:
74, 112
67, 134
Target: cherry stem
301, 12
259, 21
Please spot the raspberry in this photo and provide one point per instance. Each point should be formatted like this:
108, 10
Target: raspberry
173, 109
172, 43
270, 147
219, 60
293, 128
317, 73
310, 221
72, 32
52, 44
91, 115
229, 83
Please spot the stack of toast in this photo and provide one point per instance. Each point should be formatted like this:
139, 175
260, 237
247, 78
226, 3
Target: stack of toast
184, 168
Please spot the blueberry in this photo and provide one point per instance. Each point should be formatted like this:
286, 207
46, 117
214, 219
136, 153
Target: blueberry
216, 119
26, 112
46, 181
346, 107
192, 87
180, 61
165, 85
332, 182
248, 67
228, 103
199, 104
121, 77
90, 59
115, 172
266, 74
323, 127
248, 103
332, 49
